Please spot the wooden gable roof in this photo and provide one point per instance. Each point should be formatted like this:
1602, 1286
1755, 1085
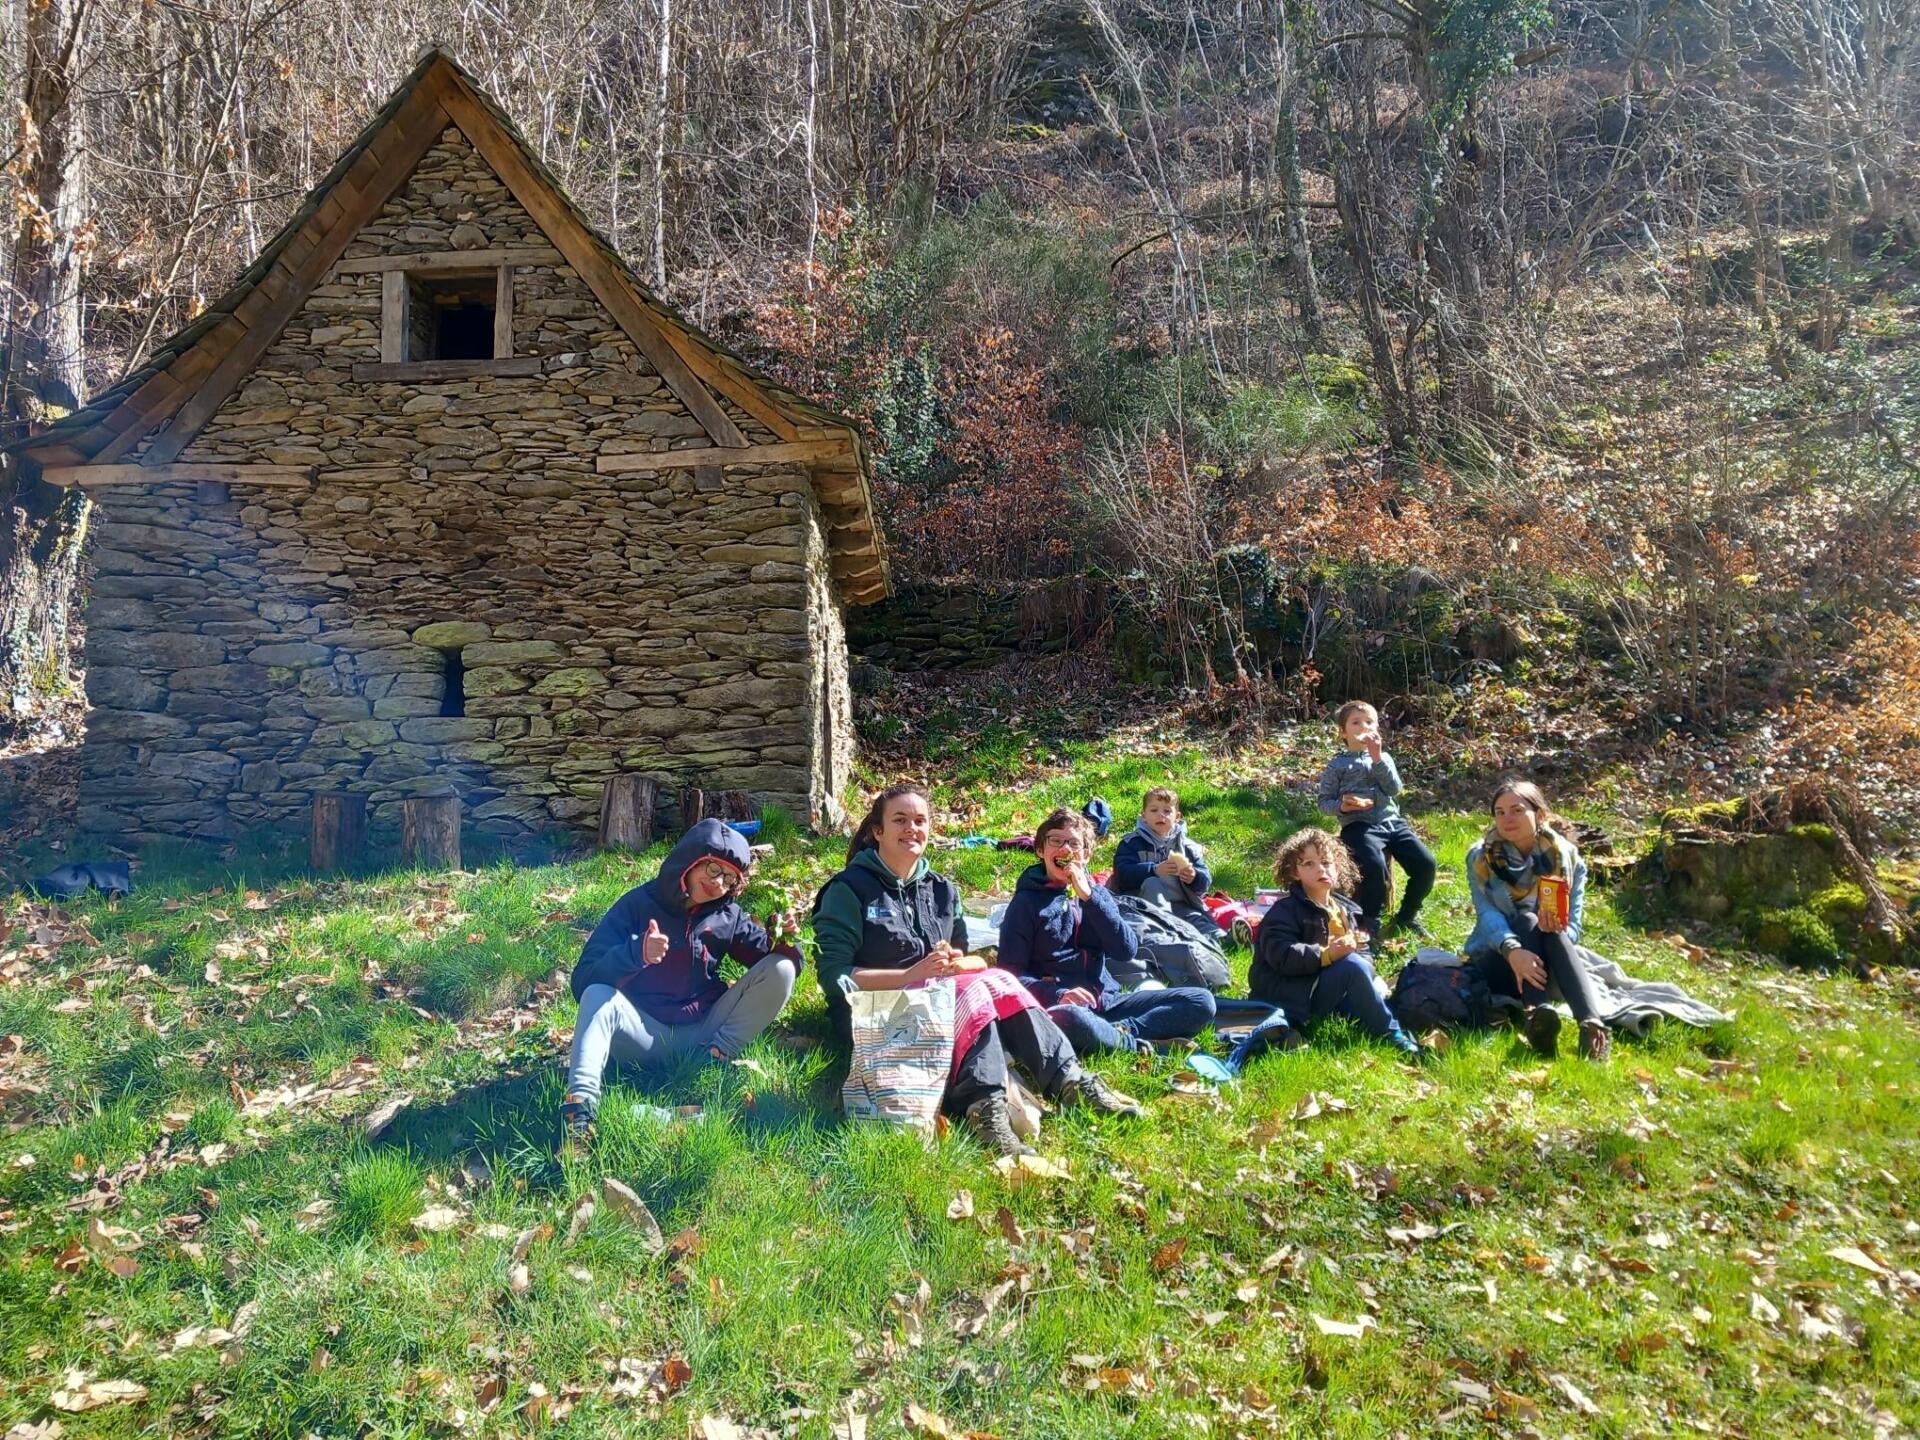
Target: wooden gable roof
187, 379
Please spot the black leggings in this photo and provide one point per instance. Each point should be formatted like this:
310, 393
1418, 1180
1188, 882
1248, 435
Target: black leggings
1564, 970
1026, 1038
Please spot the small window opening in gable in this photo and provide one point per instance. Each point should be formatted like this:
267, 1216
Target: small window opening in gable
453, 690
451, 317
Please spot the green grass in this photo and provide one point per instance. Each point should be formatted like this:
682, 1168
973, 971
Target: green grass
1502, 1221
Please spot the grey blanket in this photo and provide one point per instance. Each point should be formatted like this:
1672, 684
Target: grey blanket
1633, 1005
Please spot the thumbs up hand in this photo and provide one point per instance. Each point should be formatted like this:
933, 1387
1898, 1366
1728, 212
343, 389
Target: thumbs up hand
654, 948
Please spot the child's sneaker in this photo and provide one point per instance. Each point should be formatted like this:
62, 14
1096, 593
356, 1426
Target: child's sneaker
1543, 1030
1596, 1042
1405, 1044
576, 1126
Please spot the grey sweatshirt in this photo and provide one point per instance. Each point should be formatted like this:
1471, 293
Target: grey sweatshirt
1351, 772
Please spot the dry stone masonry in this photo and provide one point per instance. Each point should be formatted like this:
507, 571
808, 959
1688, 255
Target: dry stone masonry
460, 601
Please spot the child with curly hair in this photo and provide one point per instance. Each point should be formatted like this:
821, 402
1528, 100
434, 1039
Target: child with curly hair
1311, 957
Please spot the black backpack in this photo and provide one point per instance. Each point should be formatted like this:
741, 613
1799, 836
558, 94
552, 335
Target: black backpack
1440, 997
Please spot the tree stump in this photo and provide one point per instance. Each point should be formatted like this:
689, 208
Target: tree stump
733, 805
430, 831
693, 807
336, 831
626, 812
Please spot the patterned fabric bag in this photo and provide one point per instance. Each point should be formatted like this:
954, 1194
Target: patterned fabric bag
902, 1051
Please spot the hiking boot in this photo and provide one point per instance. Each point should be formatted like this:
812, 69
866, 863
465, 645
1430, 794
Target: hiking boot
1410, 927
1543, 1030
1596, 1042
1092, 1091
576, 1126
987, 1118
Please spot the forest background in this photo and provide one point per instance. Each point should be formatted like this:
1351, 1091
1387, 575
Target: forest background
1545, 368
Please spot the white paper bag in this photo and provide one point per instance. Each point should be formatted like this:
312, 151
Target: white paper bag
902, 1053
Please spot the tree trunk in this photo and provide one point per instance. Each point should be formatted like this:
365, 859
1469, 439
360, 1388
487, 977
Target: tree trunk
430, 832
626, 812
41, 527
337, 832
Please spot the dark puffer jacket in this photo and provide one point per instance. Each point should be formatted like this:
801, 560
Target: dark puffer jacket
1055, 941
1292, 936
686, 982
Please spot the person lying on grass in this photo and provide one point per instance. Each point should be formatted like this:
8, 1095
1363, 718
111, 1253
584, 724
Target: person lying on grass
648, 980
889, 922
1520, 945
1311, 957
1060, 932
1159, 863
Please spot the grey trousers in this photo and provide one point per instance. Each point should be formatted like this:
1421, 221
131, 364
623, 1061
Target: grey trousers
612, 1028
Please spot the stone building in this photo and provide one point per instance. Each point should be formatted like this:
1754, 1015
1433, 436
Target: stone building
439, 496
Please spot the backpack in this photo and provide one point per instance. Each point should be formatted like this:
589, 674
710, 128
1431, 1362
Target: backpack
1429, 996
1173, 950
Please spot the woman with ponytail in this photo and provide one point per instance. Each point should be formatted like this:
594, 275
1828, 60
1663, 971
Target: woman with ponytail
1523, 939
888, 922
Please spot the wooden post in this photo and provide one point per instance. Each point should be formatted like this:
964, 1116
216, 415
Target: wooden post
693, 807
626, 812
733, 805
336, 831
430, 831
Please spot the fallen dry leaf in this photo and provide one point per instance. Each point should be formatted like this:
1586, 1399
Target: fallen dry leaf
961, 1206
436, 1218
1028, 1169
582, 1216
622, 1201
1858, 1258
1576, 1397
82, 1392
926, 1423
1168, 1255
675, 1372
1349, 1329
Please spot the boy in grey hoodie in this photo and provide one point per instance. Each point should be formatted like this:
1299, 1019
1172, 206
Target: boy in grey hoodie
1359, 788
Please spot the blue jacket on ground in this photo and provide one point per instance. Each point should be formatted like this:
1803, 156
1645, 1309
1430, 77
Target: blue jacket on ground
1053, 941
680, 988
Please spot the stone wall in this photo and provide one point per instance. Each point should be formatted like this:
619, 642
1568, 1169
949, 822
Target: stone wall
245, 653
963, 627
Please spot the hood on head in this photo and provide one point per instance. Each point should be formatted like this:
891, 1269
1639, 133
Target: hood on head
710, 839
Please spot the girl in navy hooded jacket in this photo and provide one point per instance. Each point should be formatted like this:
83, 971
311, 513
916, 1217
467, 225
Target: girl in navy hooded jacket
648, 980
1057, 935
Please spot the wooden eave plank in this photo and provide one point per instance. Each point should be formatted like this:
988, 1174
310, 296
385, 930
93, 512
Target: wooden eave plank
605, 278
736, 387
188, 421
91, 477
795, 452
187, 370
436, 260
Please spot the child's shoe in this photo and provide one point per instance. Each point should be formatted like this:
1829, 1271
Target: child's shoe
1398, 927
1405, 1044
576, 1126
1596, 1042
1543, 1030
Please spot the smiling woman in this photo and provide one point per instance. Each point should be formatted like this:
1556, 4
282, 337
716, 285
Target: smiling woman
888, 922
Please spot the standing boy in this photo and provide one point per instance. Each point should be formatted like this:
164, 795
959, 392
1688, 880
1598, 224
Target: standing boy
1358, 788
